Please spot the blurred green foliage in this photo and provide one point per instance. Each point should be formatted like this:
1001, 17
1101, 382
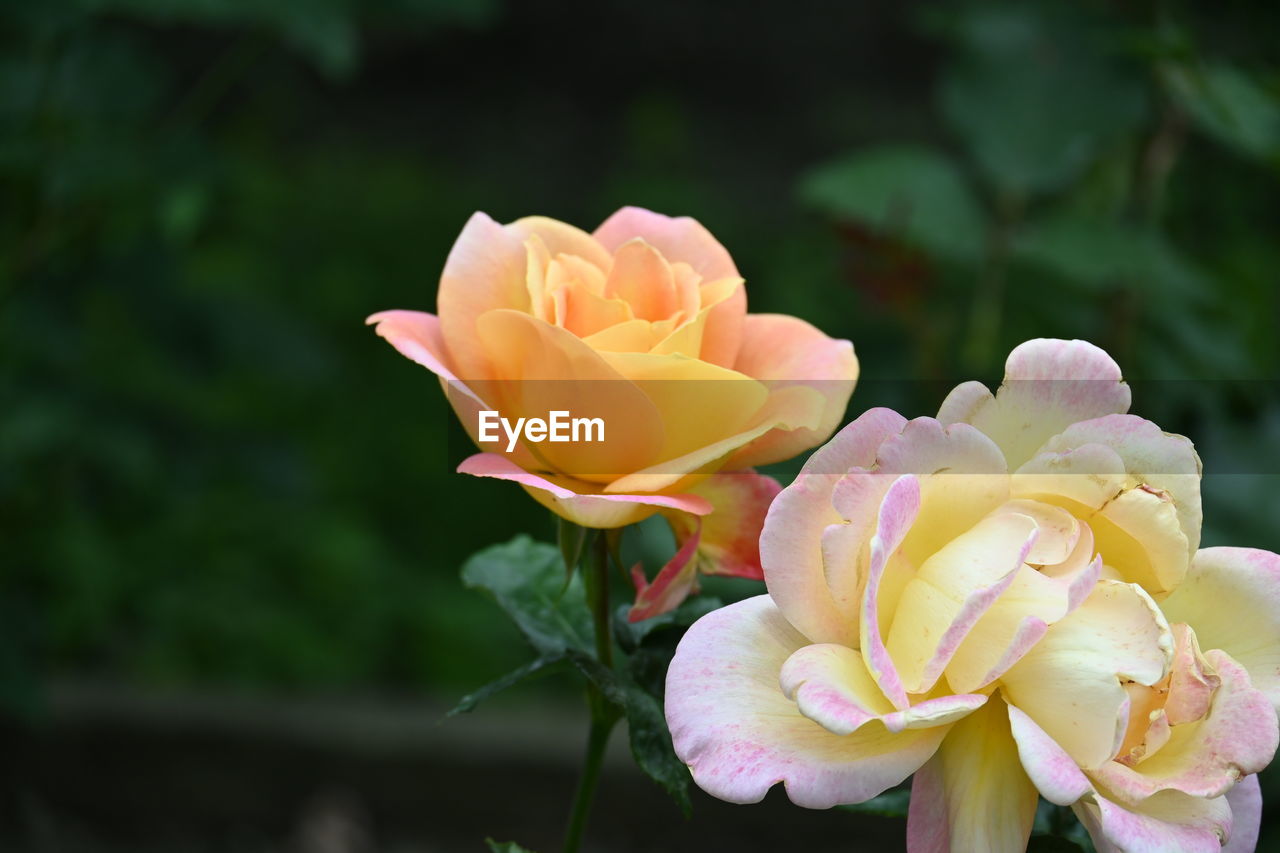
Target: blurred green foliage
210, 472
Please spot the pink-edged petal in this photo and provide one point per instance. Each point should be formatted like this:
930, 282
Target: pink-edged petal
973, 794
1138, 486
1054, 773
1161, 460
485, 271
589, 509
416, 335
1245, 800
1170, 822
740, 735
679, 238
682, 239
831, 686
951, 591
1207, 757
1048, 385
791, 542
730, 536
1231, 599
1035, 599
671, 586
1071, 682
898, 511
783, 351
962, 478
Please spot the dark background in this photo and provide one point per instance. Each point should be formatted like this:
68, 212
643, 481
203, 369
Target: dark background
229, 532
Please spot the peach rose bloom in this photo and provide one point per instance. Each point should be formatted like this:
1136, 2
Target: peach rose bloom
643, 324
1008, 600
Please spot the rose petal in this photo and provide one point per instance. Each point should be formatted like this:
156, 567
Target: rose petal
671, 585
1204, 758
962, 478
485, 271
1245, 800
740, 735
561, 238
791, 542
589, 509
898, 511
730, 536
831, 686
681, 239
951, 591
1054, 773
1048, 385
1071, 681
1231, 599
543, 369
416, 335
1023, 613
973, 794
783, 351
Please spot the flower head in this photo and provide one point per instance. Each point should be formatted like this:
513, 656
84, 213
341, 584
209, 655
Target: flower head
1007, 599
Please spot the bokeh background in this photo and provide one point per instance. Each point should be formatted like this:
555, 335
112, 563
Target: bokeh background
229, 533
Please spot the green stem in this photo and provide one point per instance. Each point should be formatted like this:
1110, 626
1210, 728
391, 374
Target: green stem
603, 714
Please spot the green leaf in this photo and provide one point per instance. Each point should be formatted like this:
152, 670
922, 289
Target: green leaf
571, 538
1034, 95
1097, 254
505, 847
526, 579
647, 725
651, 746
892, 803
909, 193
537, 667
1230, 106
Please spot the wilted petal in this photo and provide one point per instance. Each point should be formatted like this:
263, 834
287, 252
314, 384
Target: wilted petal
973, 793
1231, 599
1048, 385
782, 351
791, 543
671, 586
1071, 682
587, 508
729, 538
740, 735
